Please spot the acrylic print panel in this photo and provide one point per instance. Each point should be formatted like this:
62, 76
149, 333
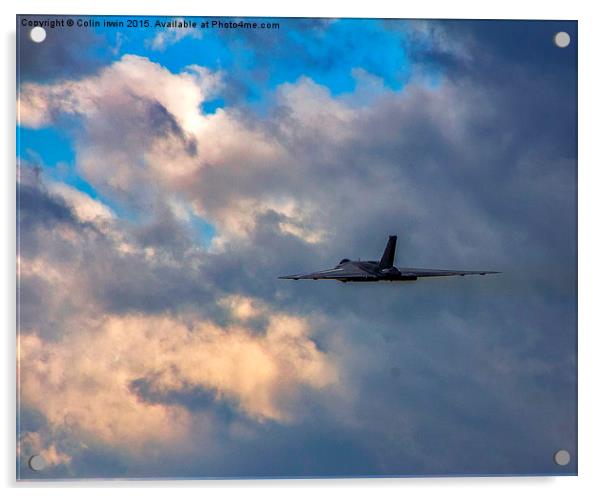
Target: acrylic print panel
171, 170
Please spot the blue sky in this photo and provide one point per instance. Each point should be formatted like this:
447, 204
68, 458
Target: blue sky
168, 177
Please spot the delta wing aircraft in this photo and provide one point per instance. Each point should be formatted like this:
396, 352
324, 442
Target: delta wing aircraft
383, 270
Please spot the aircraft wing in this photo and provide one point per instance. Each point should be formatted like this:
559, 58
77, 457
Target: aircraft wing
443, 273
337, 273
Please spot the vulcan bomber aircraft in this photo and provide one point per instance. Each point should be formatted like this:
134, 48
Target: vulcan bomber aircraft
383, 270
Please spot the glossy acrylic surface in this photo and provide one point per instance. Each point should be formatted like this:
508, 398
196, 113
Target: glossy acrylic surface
171, 169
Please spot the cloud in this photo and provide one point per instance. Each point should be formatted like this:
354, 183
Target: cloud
34, 443
85, 380
242, 307
102, 374
166, 147
65, 53
470, 172
173, 35
164, 142
85, 208
145, 125
125, 80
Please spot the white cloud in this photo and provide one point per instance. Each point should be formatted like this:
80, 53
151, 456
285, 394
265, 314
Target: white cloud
86, 208
85, 381
172, 35
129, 145
120, 84
242, 307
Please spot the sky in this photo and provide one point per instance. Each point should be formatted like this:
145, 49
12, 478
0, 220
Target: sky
168, 176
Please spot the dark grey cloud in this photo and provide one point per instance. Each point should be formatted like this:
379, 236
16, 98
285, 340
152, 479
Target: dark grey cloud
119, 282
501, 193
35, 206
498, 44
66, 53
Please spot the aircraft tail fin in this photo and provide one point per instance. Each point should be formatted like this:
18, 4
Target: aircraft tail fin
389, 254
